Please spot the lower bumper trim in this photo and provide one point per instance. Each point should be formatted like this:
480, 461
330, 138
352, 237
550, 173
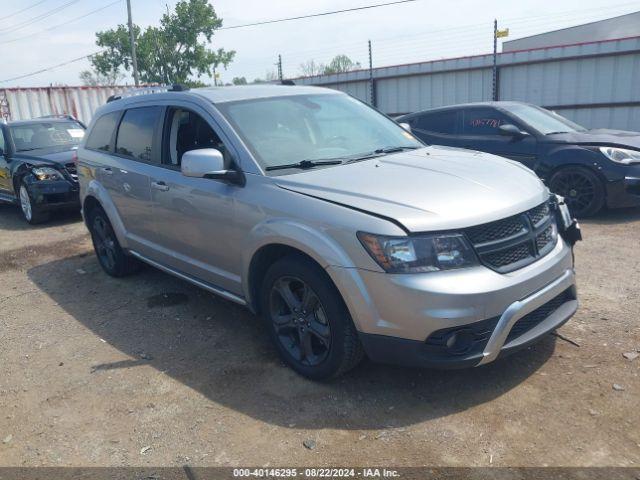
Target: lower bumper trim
416, 353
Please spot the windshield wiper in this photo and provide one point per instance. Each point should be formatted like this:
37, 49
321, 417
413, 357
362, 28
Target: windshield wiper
393, 149
304, 164
553, 133
379, 152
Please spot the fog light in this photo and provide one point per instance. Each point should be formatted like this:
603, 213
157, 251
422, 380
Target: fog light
460, 341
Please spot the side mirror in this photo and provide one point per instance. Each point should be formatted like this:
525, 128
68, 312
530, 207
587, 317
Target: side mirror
208, 163
406, 126
511, 131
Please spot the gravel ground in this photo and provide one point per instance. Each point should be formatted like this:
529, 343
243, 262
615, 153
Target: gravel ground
149, 370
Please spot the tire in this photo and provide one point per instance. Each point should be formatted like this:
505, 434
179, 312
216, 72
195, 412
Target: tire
308, 320
112, 258
581, 188
30, 212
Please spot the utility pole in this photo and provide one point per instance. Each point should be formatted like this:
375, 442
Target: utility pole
132, 38
372, 92
494, 91
279, 67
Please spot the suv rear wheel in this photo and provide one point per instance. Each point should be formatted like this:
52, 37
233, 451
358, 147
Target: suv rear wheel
308, 320
111, 257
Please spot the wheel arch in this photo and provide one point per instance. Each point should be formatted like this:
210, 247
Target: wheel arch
97, 196
275, 239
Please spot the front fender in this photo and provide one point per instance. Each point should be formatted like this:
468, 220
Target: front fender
98, 192
283, 231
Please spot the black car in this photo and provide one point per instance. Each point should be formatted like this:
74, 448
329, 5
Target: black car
590, 168
37, 168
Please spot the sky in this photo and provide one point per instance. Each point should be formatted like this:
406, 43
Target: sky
401, 33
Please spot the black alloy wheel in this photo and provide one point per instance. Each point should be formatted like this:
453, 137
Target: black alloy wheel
111, 257
301, 324
307, 319
582, 190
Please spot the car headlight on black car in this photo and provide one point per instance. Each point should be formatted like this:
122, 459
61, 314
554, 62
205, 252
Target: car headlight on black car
621, 155
419, 253
46, 173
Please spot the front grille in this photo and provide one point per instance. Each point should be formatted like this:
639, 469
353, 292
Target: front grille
532, 319
514, 242
545, 238
496, 230
72, 171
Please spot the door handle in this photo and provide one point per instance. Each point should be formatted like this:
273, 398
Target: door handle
107, 170
163, 187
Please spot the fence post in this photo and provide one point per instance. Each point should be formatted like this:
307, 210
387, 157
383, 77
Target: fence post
372, 86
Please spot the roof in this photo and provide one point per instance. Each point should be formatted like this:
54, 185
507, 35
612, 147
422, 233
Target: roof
225, 94
41, 120
246, 92
466, 105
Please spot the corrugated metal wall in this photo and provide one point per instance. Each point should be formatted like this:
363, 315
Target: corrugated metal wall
596, 84
81, 102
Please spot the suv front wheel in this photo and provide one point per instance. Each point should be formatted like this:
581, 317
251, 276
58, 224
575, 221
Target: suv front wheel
308, 320
30, 212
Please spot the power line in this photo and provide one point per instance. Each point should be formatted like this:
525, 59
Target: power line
37, 18
50, 68
61, 24
23, 10
321, 14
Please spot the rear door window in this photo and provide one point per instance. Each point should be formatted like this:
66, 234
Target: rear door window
437, 122
483, 121
137, 133
102, 132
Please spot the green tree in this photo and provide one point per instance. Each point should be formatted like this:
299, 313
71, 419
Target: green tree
169, 53
239, 81
341, 63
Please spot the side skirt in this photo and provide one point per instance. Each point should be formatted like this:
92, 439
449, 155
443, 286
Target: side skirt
206, 286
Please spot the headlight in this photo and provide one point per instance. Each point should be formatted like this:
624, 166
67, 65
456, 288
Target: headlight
621, 155
418, 254
46, 173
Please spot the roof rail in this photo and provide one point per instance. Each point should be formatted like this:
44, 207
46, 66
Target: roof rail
134, 92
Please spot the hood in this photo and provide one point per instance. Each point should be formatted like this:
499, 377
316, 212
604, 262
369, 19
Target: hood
433, 188
47, 156
601, 136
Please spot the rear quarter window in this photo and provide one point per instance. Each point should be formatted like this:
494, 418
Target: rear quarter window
100, 136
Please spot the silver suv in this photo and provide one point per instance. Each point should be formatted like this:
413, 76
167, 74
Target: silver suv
344, 232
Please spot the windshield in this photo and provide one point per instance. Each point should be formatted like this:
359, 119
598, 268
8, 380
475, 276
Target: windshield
36, 135
291, 129
544, 121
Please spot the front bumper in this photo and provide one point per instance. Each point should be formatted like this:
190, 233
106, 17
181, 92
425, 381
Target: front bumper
406, 319
501, 341
48, 195
625, 192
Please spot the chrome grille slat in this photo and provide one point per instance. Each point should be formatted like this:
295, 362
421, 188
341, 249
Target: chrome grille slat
514, 242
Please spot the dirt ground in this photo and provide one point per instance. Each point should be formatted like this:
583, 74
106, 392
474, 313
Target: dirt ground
149, 370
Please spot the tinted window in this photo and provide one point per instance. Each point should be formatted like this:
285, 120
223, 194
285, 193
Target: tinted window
483, 121
100, 135
135, 135
2, 143
438, 122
